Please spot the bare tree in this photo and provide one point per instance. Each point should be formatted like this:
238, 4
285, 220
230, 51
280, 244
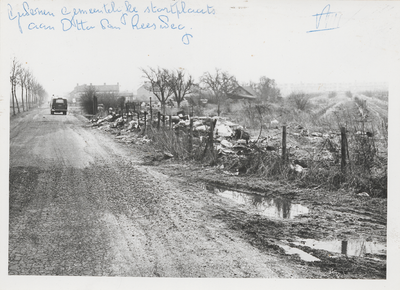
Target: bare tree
15, 72
86, 100
266, 90
159, 84
300, 101
34, 92
221, 84
28, 81
23, 78
39, 93
42, 94
31, 87
179, 85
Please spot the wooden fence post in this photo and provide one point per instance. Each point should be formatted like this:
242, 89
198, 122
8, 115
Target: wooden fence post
284, 157
145, 122
190, 136
344, 248
151, 112
158, 120
170, 122
343, 149
211, 136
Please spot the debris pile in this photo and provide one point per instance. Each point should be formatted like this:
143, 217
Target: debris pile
229, 139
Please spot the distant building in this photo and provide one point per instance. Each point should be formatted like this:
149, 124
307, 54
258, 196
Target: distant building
243, 93
129, 96
81, 89
144, 95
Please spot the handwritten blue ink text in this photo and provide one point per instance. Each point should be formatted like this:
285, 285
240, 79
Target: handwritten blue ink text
81, 25
326, 20
32, 26
105, 23
112, 15
179, 9
27, 12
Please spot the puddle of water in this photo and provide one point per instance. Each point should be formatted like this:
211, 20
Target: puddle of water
351, 247
281, 208
303, 255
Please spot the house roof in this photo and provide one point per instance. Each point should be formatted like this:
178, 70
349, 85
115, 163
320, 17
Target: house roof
249, 93
98, 88
107, 88
241, 96
125, 94
250, 90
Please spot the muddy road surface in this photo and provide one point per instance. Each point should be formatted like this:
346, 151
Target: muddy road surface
81, 204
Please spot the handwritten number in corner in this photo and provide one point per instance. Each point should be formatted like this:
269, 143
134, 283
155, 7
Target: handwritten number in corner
326, 20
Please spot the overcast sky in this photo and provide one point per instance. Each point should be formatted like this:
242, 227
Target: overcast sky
356, 41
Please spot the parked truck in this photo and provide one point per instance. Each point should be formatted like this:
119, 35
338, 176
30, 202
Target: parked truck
59, 105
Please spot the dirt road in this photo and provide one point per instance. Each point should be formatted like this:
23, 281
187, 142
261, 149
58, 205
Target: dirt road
83, 205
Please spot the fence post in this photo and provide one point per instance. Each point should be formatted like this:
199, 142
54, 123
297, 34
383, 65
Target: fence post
284, 157
94, 105
344, 248
190, 136
170, 122
138, 118
151, 112
343, 149
211, 136
158, 120
163, 121
145, 122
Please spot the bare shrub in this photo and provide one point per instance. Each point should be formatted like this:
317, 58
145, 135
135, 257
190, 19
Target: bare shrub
268, 164
177, 143
86, 100
300, 101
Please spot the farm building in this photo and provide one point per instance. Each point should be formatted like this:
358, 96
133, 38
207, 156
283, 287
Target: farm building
243, 93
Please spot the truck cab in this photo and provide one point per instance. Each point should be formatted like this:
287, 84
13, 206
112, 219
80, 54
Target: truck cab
59, 105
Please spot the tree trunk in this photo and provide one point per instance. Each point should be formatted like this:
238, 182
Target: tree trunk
12, 96
26, 98
163, 107
22, 97
16, 99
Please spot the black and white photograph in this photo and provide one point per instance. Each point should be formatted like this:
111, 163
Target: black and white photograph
147, 144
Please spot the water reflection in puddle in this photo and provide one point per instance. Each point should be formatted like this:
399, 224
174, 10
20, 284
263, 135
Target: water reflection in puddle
271, 207
351, 247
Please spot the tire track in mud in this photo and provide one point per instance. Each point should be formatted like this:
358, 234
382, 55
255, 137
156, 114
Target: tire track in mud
53, 230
